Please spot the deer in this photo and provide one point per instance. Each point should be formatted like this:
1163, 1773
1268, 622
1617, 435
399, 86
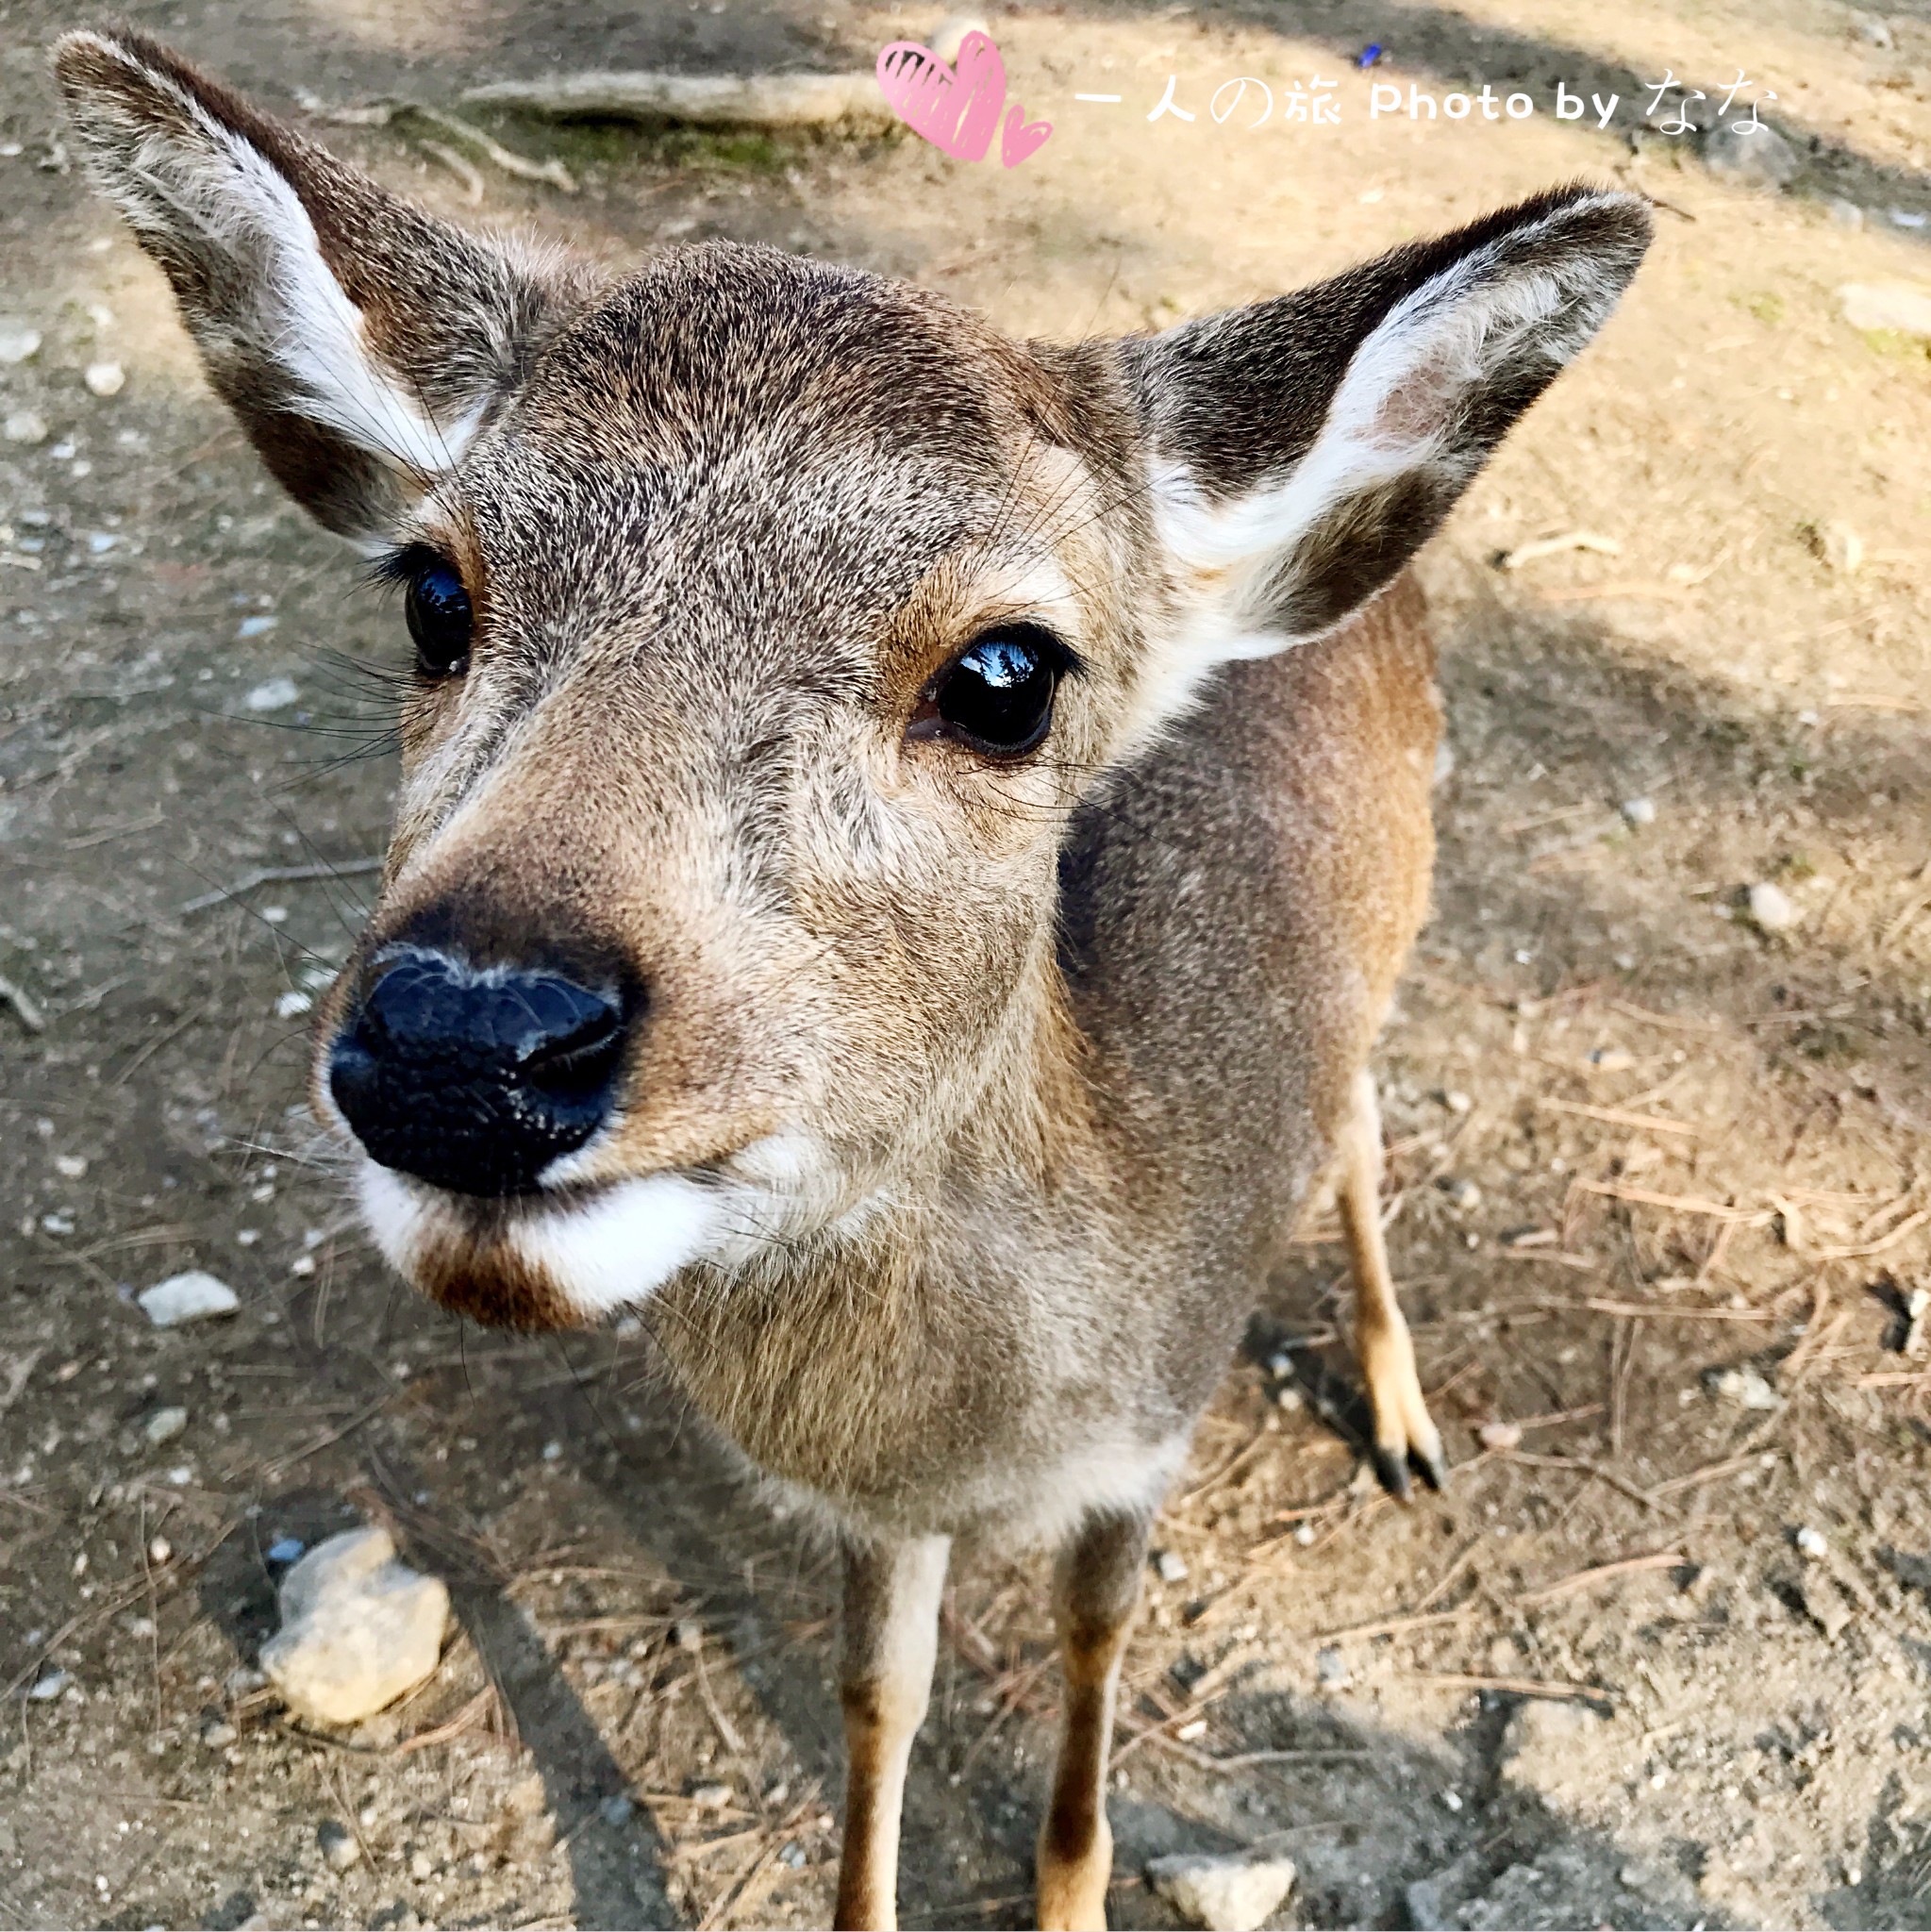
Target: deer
906, 837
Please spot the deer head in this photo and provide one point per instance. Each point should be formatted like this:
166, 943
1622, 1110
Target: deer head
771, 621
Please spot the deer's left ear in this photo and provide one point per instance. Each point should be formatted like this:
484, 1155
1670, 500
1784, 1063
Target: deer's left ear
1303, 449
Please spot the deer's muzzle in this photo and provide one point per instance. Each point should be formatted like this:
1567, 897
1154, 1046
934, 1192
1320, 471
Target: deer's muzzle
474, 1079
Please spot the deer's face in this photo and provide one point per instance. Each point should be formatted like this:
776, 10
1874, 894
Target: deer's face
765, 641
770, 622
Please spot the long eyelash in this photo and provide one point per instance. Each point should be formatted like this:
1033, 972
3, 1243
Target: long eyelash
399, 565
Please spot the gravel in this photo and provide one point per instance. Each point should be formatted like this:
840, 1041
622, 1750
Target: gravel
195, 1296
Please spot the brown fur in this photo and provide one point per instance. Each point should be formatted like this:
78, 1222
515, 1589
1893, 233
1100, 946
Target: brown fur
992, 1084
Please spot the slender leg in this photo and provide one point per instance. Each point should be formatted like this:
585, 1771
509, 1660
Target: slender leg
892, 1636
1095, 1587
1404, 1431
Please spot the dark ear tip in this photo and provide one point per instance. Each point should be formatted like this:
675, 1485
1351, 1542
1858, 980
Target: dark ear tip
1614, 214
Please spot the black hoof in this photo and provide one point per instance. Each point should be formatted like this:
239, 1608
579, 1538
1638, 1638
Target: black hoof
1393, 1471
1434, 1468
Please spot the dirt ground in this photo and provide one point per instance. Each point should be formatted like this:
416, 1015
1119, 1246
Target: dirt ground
1637, 1143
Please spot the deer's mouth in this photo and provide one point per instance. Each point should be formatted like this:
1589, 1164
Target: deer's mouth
563, 1259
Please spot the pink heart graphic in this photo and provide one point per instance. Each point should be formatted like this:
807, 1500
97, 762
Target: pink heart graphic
1019, 136
955, 108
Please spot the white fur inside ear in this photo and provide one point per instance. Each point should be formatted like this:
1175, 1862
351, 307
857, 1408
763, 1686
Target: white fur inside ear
318, 334
210, 182
1392, 415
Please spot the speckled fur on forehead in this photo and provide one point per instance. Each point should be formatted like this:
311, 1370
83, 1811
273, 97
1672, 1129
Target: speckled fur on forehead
761, 458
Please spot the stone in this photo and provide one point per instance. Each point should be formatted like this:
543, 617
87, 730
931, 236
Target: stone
105, 379
276, 694
1917, 1341
1170, 1566
163, 1425
1841, 548
25, 426
48, 1686
1827, 1602
1811, 1543
1903, 307
18, 344
218, 1734
1639, 812
1745, 1388
949, 33
359, 1628
1225, 1893
1844, 214
340, 1847
195, 1296
1500, 1435
1758, 156
1771, 910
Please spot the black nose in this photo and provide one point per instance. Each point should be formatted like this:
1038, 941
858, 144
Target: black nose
476, 1079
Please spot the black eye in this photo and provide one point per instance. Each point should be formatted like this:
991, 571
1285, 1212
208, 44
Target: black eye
439, 617
997, 695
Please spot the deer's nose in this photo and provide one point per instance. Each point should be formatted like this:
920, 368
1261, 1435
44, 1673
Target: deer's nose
474, 1079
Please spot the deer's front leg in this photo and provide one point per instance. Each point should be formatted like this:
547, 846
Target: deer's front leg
1404, 1430
1095, 1588
892, 1636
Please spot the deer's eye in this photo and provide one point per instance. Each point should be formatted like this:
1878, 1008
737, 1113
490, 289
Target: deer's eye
439, 613
996, 696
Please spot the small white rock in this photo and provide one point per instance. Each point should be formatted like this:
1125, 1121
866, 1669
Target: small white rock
358, 1629
1844, 214
1745, 1388
340, 1846
1170, 1566
25, 426
1639, 812
49, 1685
276, 694
1759, 155
163, 1425
160, 1551
18, 344
948, 34
1903, 307
1771, 910
105, 379
1459, 1101
1841, 548
1811, 1542
1500, 1435
195, 1296
1232, 1893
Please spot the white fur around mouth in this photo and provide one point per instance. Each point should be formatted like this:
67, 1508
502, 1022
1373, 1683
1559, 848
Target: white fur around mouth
601, 1252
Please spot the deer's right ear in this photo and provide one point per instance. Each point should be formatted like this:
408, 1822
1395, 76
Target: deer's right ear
360, 341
